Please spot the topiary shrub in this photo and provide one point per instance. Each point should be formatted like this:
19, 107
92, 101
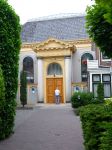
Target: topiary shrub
106, 136
81, 99
9, 57
100, 92
96, 123
23, 88
108, 101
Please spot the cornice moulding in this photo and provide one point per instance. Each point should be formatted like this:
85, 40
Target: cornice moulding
66, 44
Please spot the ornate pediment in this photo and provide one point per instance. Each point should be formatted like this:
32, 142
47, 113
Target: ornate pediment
54, 48
52, 43
51, 47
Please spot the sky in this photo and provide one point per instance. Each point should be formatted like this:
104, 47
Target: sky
29, 9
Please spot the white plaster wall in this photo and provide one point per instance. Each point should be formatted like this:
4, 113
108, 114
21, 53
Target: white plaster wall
31, 54
22, 55
76, 63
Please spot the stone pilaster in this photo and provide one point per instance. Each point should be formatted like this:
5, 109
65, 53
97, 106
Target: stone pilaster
40, 81
68, 79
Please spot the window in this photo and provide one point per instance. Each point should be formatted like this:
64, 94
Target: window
29, 69
54, 69
106, 79
107, 90
95, 86
84, 65
96, 79
104, 57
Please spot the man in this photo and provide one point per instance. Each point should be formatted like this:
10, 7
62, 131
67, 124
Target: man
57, 96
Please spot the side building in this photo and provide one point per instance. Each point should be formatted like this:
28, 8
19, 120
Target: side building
100, 71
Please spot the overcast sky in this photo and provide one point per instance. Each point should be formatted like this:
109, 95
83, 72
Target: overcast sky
28, 9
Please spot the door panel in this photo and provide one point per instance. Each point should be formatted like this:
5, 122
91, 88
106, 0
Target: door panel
50, 90
59, 84
51, 85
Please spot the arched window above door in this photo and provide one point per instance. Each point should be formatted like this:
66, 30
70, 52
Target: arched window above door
28, 67
84, 65
54, 69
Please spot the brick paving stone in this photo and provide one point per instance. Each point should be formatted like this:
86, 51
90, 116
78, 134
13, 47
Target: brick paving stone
46, 127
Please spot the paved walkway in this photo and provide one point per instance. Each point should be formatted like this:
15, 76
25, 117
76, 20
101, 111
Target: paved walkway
46, 127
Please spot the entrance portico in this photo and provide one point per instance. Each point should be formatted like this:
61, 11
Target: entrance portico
57, 54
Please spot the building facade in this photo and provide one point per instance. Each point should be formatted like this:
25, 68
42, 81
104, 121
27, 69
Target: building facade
100, 71
56, 52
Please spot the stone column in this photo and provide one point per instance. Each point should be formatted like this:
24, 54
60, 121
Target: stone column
68, 79
40, 81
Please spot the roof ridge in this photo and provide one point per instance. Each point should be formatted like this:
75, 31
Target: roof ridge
57, 16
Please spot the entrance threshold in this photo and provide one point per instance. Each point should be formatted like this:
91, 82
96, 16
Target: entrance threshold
66, 105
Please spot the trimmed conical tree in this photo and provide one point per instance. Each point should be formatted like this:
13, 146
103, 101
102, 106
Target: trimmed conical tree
100, 92
23, 88
2, 103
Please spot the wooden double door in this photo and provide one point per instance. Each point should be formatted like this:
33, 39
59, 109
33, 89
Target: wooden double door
51, 85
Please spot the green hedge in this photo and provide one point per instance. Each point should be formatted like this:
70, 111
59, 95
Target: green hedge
81, 99
106, 136
2, 99
9, 57
96, 123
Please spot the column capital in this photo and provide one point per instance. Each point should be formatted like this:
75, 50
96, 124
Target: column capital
67, 57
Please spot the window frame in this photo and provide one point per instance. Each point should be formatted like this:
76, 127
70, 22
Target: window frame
104, 75
107, 82
54, 69
31, 80
95, 82
99, 78
84, 57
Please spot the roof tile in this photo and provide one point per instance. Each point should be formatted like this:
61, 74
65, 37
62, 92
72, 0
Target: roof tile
72, 28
